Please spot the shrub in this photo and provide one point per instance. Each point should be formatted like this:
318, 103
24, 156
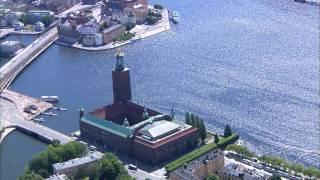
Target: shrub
158, 6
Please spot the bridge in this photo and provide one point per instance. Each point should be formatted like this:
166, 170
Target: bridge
11, 119
11, 69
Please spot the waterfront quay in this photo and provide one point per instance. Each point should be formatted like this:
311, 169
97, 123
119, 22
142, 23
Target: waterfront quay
22, 101
11, 119
140, 31
5, 32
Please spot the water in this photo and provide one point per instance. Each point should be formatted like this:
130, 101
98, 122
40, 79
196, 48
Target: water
251, 64
25, 40
14, 157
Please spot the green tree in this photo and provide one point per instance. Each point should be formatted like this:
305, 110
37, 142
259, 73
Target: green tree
158, 6
240, 150
110, 167
275, 177
297, 168
46, 20
216, 138
212, 176
24, 19
188, 119
202, 130
197, 122
311, 172
31, 176
227, 131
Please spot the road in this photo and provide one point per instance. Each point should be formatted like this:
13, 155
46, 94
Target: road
10, 118
10, 70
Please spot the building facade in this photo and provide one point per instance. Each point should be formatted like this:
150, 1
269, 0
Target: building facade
201, 167
135, 130
70, 168
240, 172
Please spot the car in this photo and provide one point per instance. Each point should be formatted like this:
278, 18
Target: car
247, 162
92, 148
132, 167
258, 166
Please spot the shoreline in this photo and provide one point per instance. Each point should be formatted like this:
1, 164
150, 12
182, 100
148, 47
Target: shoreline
142, 31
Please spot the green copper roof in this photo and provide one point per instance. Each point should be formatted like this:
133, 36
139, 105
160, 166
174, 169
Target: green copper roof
107, 125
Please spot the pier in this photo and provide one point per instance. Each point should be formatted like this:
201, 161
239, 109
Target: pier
11, 119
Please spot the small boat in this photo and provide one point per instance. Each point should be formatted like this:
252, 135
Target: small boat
50, 98
61, 109
50, 114
38, 119
175, 17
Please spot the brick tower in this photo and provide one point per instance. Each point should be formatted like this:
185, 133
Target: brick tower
121, 80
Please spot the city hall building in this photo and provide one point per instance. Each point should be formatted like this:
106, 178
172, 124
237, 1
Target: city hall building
135, 130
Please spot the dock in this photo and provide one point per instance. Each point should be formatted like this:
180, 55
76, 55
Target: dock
12, 117
22, 101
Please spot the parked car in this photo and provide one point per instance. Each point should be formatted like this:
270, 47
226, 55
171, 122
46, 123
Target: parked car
132, 167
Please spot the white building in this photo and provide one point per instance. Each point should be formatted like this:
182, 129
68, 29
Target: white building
90, 28
71, 167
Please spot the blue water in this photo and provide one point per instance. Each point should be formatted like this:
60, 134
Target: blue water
251, 64
15, 152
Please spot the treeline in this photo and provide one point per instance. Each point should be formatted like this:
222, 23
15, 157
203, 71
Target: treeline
41, 164
276, 162
290, 167
195, 121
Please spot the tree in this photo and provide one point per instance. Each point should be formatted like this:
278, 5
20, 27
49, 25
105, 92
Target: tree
297, 168
24, 19
46, 20
188, 118
197, 122
158, 6
31, 176
227, 131
202, 130
240, 150
212, 176
216, 138
110, 167
275, 177
311, 172
192, 116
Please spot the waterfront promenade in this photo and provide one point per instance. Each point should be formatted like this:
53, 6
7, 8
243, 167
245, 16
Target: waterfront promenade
11, 120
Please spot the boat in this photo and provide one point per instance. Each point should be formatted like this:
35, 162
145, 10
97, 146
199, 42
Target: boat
38, 119
61, 109
50, 114
175, 17
50, 98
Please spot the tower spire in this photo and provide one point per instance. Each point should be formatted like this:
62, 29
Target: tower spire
119, 60
121, 79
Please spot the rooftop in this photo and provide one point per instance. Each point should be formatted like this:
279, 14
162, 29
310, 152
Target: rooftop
159, 129
112, 28
107, 125
78, 161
